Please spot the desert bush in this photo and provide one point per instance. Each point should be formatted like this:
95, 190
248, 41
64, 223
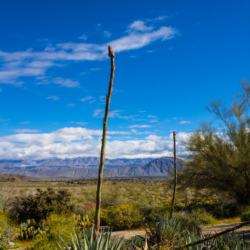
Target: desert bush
125, 216
60, 225
245, 216
220, 210
39, 206
133, 241
201, 217
7, 231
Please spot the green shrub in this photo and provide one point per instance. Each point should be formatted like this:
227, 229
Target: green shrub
6, 230
124, 216
60, 225
201, 217
39, 206
245, 216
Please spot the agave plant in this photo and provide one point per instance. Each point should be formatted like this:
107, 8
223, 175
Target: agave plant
102, 242
167, 230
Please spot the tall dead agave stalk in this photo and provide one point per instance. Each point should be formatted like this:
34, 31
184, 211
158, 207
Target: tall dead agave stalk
175, 176
104, 134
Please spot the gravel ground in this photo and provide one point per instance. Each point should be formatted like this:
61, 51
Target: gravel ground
206, 229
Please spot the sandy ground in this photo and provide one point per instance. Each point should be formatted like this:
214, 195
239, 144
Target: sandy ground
206, 229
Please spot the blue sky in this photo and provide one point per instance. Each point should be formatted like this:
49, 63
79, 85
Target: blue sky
172, 58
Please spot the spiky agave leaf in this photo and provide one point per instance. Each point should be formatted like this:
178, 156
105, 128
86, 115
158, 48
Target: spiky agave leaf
102, 242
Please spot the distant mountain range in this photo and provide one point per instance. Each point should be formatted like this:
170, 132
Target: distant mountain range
80, 162
71, 167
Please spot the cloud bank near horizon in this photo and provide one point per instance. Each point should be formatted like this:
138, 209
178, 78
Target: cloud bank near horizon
70, 142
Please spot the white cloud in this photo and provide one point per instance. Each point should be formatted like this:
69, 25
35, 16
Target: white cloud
140, 126
26, 130
159, 18
184, 122
87, 98
81, 123
71, 105
154, 121
53, 97
80, 142
152, 116
115, 113
83, 37
181, 136
65, 82
98, 112
140, 26
31, 63
26, 122
133, 130
106, 34
95, 69
153, 137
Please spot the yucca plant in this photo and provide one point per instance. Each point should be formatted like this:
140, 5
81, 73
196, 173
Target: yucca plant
102, 242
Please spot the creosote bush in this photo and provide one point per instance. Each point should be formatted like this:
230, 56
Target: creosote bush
245, 216
124, 216
40, 205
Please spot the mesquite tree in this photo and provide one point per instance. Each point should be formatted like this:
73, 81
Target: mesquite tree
219, 155
104, 134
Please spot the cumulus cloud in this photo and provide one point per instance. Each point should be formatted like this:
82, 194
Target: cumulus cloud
181, 136
72, 142
153, 137
17, 66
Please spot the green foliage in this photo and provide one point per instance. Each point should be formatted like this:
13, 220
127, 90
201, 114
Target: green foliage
7, 231
59, 225
82, 222
220, 159
201, 217
31, 229
133, 241
245, 216
39, 206
125, 216
165, 229
102, 242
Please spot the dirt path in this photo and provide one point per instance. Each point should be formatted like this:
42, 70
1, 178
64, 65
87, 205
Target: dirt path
205, 229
